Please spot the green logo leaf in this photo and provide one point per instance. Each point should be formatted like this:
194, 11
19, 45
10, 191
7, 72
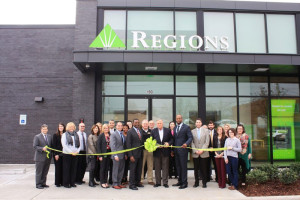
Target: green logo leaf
107, 38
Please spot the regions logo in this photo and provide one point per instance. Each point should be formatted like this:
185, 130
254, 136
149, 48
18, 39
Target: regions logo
107, 38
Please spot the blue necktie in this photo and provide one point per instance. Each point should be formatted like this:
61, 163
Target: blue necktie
122, 137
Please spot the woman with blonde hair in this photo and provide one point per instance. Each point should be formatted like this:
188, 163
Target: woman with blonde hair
226, 128
71, 147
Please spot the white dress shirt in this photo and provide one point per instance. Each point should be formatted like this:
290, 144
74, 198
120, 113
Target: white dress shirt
80, 135
161, 134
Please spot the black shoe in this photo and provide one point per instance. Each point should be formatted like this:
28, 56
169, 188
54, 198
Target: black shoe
67, 186
196, 185
95, 183
157, 185
97, 179
133, 188
39, 187
74, 185
58, 185
166, 185
45, 186
91, 184
204, 186
183, 187
78, 183
139, 185
177, 184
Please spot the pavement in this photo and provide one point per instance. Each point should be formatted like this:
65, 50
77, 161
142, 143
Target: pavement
18, 182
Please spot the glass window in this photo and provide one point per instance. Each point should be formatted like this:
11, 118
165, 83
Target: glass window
188, 108
254, 117
117, 20
250, 33
186, 85
162, 109
152, 23
281, 33
253, 86
284, 86
219, 24
220, 85
113, 85
183, 28
112, 108
221, 110
137, 109
150, 84
285, 130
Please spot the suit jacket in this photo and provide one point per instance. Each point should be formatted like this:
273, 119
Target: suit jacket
56, 144
201, 143
215, 141
167, 137
101, 144
184, 136
133, 141
116, 144
39, 143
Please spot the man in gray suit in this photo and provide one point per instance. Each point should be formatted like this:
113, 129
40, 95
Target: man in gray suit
42, 163
201, 158
117, 141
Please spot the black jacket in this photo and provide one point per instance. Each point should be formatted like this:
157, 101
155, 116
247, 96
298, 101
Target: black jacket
132, 141
167, 137
215, 141
56, 144
101, 144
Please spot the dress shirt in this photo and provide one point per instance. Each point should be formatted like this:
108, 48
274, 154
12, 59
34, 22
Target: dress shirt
161, 134
199, 133
82, 139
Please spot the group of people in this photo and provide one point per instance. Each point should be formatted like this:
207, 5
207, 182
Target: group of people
77, 153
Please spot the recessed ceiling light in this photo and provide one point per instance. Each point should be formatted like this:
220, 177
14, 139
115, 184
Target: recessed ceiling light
261, 69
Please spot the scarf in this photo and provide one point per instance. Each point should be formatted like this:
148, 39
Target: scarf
70, 140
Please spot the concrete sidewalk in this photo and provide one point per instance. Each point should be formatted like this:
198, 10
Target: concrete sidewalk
18, 182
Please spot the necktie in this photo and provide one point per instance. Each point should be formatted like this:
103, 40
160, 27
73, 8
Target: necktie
122, 137
138, 132
46, 139
177, 129
211, 136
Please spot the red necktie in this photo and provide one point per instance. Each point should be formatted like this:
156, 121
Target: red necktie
138, 132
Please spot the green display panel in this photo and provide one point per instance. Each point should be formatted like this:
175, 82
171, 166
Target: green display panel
283, 129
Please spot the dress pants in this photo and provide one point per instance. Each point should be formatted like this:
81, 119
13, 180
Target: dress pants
97, 170
221, 170
105, 167
202, 165
161, 164
242, 165
58, 171
135, 171
148, 158
69, 169
181, 158
81, 167
212, 159
124, 179
41, 171
118, 170
172, 166
232, 170
92, 166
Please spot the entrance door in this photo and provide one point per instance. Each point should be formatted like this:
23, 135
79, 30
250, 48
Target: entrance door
150, 108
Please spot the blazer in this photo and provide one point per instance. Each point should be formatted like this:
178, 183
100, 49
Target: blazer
92, 143
184, 136
214, 134
167, 137
56, 144
201, 143
215, 142
133, 141
101, 144
39, 143
116, 144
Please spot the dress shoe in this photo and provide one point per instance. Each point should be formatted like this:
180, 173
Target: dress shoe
157, 185
67, 186
45, 186
204, 186
183, 187
177, 184
78, 183
58, 185
196, 185
116, 187
83, 182
166, 185
151, 183
139, 185
91, 184
74, 185
122, 186
133, 188
39, 187
95, 183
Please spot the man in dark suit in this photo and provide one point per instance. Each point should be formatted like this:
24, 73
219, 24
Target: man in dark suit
42, 163
183, 138
212, 133
135, 139
163, 136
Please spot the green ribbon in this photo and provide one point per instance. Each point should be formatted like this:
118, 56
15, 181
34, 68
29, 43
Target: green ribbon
150, 145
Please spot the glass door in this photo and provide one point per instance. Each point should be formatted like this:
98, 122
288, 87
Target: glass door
150, 108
